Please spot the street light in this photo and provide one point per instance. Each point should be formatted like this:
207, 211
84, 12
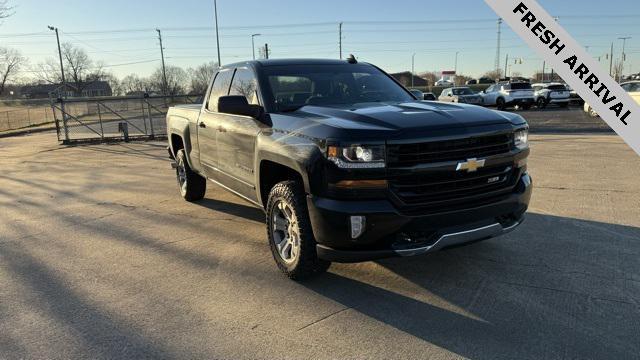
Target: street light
253, 46
413, 67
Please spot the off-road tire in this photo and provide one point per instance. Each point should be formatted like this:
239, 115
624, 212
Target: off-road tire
195, 186
306, 264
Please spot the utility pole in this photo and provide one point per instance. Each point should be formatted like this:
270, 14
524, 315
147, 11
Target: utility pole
253, 46
266, 51
543, 65
498, 48
611, 61
622, 59
455, 66
340, 38
164, 70
64, 84
506, 62
215, 10
413, 67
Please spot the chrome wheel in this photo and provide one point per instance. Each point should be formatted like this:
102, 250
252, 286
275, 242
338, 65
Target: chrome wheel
181, 174
286, 232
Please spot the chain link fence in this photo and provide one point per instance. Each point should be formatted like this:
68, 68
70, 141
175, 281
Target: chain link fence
24, 113
117, 118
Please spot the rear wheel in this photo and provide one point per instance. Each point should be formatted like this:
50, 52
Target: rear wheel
289, 230
541, 103
192, 186
500, 104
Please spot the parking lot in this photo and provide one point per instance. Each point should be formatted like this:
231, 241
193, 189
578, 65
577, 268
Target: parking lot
100, 258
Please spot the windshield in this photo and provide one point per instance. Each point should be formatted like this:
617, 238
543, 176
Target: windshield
556, 87
294, 86
462, 91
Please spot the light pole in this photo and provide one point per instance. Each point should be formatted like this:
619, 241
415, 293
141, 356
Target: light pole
253, 46
64, 85
413, 67
624, 41
215, 10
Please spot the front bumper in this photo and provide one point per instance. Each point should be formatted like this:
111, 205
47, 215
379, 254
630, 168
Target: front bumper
391, 233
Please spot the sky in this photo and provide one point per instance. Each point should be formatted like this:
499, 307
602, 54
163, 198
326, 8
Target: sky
121, 34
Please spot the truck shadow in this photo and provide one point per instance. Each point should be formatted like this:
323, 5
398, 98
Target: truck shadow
535, 293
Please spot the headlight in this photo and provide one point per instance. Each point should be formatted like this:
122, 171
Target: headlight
357, 156
522, 139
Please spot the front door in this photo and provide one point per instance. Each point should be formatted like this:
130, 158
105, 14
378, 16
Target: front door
236, 139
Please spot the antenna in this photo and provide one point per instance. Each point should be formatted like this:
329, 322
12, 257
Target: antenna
352, 59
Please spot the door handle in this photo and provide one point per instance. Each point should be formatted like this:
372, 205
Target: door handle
202, 124
221, 129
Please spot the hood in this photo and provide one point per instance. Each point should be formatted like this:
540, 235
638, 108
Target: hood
409, 116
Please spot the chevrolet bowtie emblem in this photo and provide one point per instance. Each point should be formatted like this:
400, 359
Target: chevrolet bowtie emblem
471, 165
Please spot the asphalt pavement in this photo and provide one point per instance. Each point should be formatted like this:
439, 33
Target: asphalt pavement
100, 258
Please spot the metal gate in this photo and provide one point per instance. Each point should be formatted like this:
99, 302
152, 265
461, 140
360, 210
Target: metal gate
114, 118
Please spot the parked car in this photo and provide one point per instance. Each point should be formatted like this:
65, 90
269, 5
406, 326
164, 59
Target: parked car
417, 93
485, 80
461, 94
506, 94
632, 87
347, 165
551, 93
430, 96
573, 96
472, 82
444, 82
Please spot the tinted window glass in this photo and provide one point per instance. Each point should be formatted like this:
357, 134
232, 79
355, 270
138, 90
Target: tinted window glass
520, 86
462, 91
557, 87
490, 88
331, 85
220, 88
245, 84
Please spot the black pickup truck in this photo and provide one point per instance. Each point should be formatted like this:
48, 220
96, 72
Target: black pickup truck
347, 164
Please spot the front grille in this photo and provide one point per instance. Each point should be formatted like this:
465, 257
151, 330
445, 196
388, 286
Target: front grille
438, 189
407, 155
448, 186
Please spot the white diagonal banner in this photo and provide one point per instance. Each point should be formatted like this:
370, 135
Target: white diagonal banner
544, 35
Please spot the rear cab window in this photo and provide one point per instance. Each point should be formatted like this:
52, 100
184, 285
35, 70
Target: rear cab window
219, 88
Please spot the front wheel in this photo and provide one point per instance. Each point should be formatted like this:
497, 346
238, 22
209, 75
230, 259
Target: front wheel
192, 186
290, 235
541, 103
500, 104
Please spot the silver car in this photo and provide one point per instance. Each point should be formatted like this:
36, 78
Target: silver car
460, 94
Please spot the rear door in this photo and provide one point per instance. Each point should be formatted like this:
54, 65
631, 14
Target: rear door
209, 122
490, 95
237, 139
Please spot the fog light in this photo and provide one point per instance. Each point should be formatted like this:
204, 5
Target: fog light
358, 224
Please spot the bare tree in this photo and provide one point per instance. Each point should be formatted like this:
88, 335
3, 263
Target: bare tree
177, 80
79, 69
114, 83
461, 79
10, 62
493, 74
5, 9
430, 76
132, 84
201, 77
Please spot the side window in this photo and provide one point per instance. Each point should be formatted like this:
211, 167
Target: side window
220, 88
490, 89
245, 84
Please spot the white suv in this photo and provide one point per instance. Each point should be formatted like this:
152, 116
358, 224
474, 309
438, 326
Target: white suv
551, 93
505, 94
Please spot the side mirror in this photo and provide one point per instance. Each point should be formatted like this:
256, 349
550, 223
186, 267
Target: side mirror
418, 94
238, 105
